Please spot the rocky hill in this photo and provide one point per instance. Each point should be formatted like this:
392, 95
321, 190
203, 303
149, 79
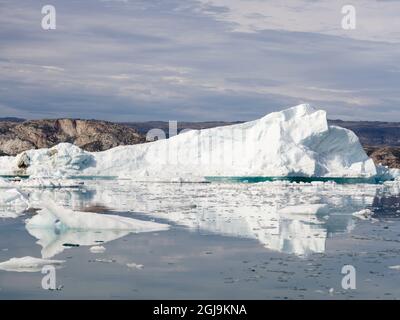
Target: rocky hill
91, 135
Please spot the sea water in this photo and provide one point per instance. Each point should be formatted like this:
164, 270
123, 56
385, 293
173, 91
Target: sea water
227, 240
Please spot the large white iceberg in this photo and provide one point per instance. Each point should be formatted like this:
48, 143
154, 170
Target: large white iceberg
294, 142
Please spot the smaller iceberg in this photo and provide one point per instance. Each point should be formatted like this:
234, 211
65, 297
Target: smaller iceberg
62, 218
28, 264
56, 226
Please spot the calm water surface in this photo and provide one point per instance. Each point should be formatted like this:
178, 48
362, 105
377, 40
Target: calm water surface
226, 241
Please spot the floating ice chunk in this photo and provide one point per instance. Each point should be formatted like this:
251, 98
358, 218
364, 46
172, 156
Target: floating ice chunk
54, 226
53, 241
365, 214
103, 260
27, 264
133, 265
97, 249
53, 215
304, 209
12, 203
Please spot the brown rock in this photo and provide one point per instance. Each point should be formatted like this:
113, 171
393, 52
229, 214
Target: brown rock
90, 135
387, 156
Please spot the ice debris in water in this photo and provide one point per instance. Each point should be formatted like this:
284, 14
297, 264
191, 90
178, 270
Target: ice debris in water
305, 209
28, 264
97, 249
133, 265
13, 202
365, 214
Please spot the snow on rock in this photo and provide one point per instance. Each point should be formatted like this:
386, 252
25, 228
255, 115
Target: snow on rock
55, 216
294, 142
27, 264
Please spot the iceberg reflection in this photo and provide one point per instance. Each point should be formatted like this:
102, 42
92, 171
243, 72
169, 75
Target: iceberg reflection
54, 242
293, 218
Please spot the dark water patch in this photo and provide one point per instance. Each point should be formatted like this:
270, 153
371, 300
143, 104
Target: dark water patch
388, 206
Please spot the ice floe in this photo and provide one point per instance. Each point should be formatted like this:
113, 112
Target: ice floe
53, 241
28, 264
53, 215
97, 249
13, 202
134, 265
49, 183
365, 214
55, 226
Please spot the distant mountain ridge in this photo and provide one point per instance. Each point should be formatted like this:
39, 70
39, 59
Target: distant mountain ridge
12, 119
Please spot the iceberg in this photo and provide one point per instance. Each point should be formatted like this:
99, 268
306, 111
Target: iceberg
297, 142
54, 226
56, 216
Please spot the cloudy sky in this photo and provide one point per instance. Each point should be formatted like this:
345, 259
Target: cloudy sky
135, 60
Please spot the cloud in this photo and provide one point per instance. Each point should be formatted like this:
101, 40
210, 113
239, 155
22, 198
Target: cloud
376, 20
193, 60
